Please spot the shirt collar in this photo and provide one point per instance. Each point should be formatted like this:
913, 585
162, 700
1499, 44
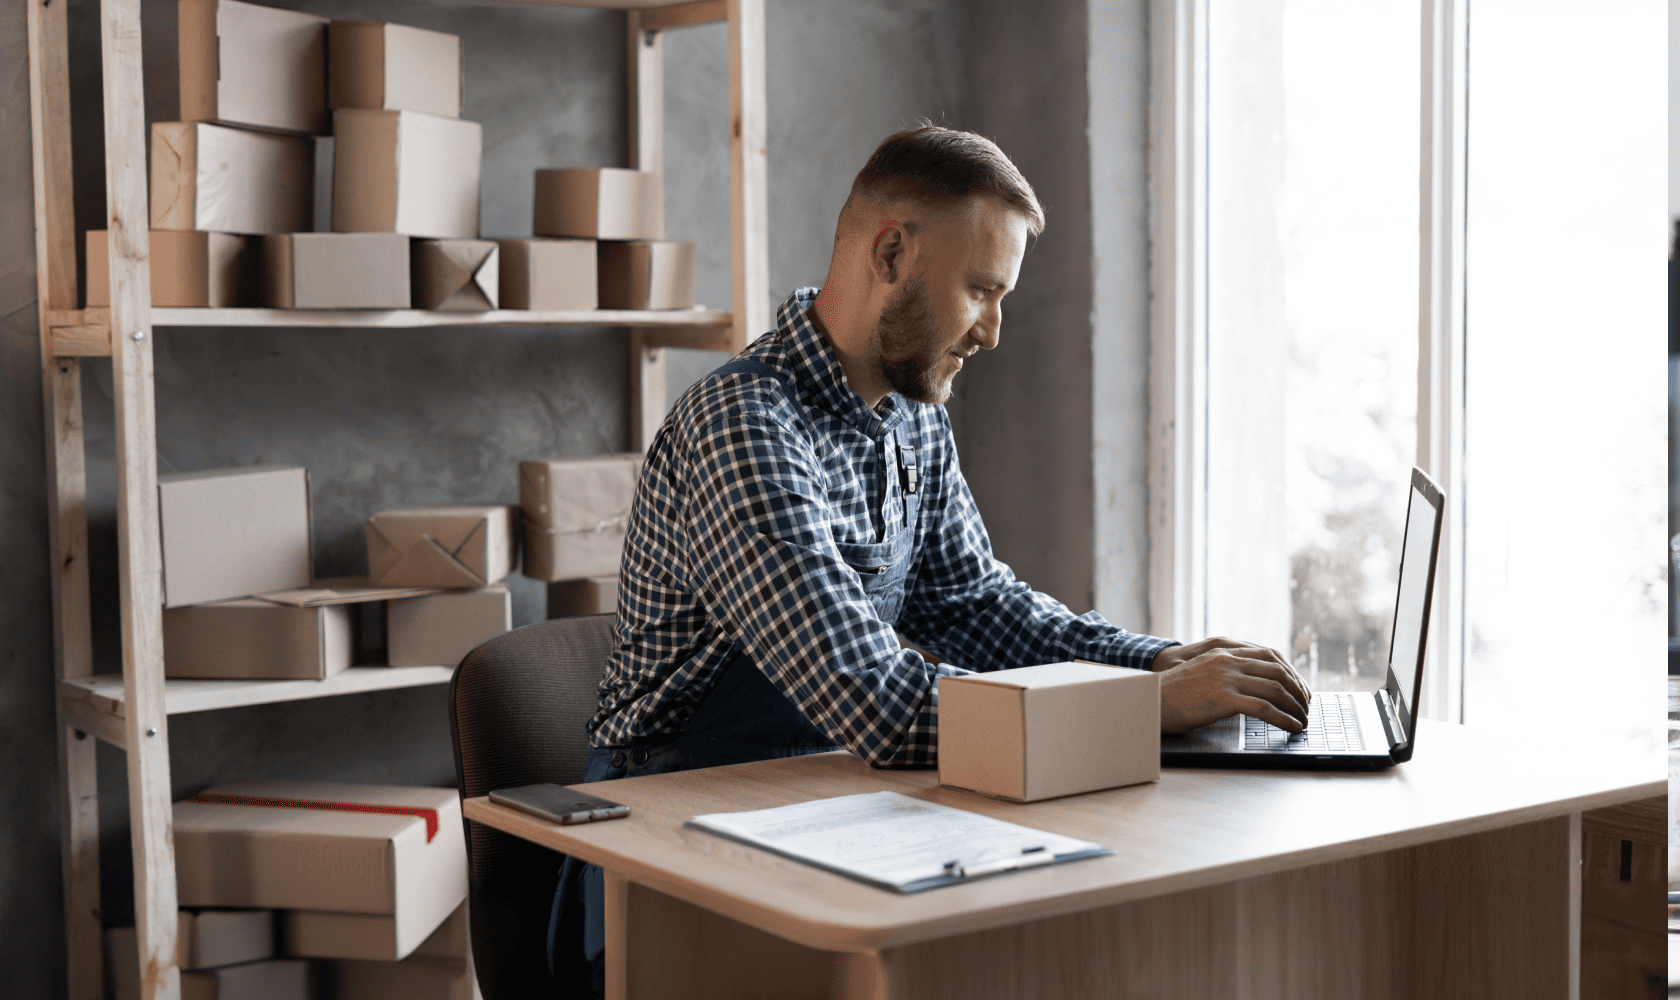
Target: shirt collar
819, 374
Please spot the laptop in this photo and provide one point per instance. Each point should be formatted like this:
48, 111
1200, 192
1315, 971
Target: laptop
1358, 730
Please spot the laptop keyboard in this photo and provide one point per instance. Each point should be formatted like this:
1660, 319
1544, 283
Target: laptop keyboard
1332, 724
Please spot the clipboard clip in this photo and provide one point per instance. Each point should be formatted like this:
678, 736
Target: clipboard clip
1031, 857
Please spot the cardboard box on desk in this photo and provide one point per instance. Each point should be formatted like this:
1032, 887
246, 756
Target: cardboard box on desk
203, 940
392, 67
440, 629
1040, 732
646, 275
603, 204
597, 595
548, 274
233, 532
456, 275
337, 271
405, 172
368, 936
576, 513
384, 850
229, 180
457, 547
257, 640
254, 66
190, 270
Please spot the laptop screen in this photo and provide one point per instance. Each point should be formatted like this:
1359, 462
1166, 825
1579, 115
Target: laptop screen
1411, 607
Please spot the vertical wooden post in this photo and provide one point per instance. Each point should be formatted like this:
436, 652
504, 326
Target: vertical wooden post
749, 171
646, 130
139, 546
61, 386
648, 388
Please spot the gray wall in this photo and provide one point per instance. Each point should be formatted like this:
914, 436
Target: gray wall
385, 418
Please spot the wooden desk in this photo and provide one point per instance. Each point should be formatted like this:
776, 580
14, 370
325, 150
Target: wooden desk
1455, 875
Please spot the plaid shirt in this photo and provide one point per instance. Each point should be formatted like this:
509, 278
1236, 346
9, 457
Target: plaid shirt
735, 536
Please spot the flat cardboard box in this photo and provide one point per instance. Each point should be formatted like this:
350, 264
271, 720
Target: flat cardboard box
576, 511
647, 275
203, 940
597, 595
456, 547
260, 67
229, 180
548, 274
405, 172
337, 271
417, 978
441, 629
606, 203
233, 532
314, 849
392, 67
257, 640
456, 275
341, 590
368, 936
1058, 729
190, 270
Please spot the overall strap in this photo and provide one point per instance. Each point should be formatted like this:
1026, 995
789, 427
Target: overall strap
746, 366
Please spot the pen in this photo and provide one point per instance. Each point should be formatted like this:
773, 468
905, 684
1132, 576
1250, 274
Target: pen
1031, 857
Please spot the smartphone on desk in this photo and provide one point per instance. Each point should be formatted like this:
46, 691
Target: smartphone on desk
559, 804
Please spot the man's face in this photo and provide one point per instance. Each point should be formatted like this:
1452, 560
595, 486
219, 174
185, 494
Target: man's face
949, 303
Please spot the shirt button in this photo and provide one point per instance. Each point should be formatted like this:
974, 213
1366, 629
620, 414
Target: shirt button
638, 757
618, 758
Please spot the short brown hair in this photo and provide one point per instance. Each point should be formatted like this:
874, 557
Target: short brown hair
931, 163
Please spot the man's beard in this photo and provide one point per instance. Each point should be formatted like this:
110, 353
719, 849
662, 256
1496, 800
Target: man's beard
906, 341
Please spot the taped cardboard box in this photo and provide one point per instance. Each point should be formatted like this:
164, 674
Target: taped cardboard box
386, 850
190, 270
647, 275
598, 595
548, 274
255, 66
415, 978
368, 936
441, 629
607, 203
456, 275
229, 180
337, 270
405, 172
257, 640
392, 67
203, 940
452, 547
576, 512
1058, 729
233, 532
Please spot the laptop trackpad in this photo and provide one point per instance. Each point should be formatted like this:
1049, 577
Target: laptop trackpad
1224, 735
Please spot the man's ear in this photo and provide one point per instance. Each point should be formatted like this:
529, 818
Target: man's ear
887, 252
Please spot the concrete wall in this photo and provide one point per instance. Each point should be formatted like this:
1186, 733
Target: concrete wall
383, 419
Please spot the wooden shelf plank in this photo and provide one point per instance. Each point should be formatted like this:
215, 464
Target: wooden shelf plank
674, 319
104, 692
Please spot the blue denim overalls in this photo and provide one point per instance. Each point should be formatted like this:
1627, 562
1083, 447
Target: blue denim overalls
743, 717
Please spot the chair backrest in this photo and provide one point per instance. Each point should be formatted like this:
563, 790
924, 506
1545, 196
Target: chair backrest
518, 705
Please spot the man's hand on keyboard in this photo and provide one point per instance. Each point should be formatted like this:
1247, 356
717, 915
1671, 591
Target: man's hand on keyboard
1206, 681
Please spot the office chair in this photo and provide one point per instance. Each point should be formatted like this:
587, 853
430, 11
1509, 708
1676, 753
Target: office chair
517, 708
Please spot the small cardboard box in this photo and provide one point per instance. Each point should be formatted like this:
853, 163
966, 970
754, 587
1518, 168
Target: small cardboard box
598, 595
279, 979
392, 67
369, 936
203, 940
257, 640
417, 978
255, 66
1040, 732
233, 532
439, 630
576, 512
337, 270
548, 274
387, 850
405, 172
456, 275
229, 180
458, 547
647, 275
604, 204
190, 270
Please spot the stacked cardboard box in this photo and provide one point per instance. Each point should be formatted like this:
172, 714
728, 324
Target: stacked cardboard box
576, 513
364, 967
636, 268
223, 954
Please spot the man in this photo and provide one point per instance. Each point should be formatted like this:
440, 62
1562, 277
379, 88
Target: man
803, 505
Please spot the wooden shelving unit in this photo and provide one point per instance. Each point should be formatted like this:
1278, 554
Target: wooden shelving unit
131, 710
